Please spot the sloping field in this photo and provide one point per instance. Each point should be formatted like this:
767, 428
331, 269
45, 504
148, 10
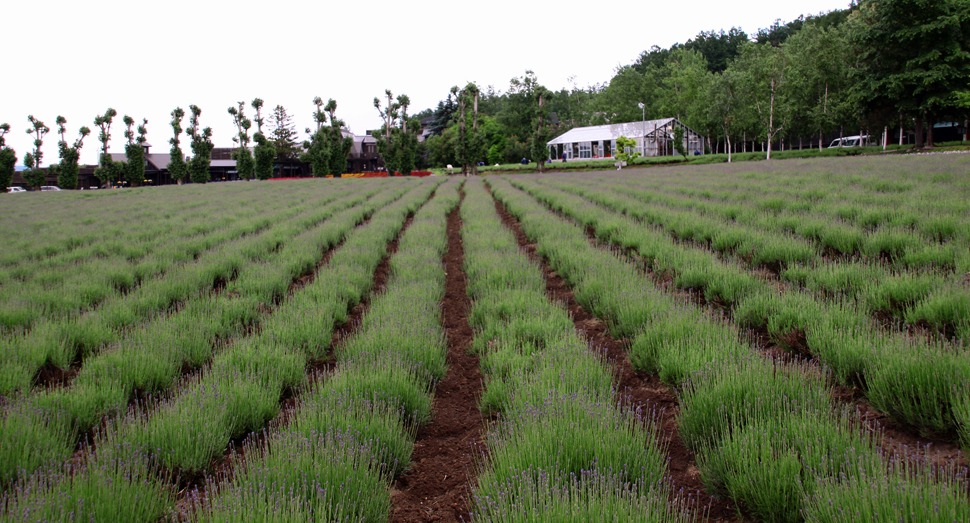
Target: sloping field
783, 341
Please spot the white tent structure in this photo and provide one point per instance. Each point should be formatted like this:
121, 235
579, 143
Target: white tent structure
653, 137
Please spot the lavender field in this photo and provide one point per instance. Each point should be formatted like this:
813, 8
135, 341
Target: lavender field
758, 341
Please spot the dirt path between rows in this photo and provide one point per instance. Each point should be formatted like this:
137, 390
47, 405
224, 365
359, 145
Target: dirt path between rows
636, 389
438, 485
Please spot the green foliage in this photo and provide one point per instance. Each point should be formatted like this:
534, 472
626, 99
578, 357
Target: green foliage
913, 55
318, 153
34, 175
67, 171
8, 159
177, 165
679, 144
243, 156
198, 166
265, 155
625, 149
398, 140
107, 170
283, 134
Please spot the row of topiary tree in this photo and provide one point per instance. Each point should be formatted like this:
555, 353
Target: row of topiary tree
326, 151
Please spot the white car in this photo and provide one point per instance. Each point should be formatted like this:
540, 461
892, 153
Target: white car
16, 189
49, 188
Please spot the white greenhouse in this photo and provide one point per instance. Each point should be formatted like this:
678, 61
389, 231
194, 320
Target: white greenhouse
653, 137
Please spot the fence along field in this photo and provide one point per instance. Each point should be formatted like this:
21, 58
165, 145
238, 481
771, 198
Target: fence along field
196, 326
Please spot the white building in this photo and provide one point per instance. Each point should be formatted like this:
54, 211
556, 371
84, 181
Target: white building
653, 137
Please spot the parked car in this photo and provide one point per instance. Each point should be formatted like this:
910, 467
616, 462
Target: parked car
16, 189
49, 188
851, 141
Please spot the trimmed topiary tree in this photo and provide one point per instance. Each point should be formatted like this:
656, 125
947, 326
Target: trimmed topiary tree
67, 171
8, 160
201, 148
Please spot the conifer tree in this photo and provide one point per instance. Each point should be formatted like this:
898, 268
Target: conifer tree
201, 148
177, 166
283, 134
8, 159
67, 171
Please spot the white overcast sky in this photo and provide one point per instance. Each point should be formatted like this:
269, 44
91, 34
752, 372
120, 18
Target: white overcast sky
76, 58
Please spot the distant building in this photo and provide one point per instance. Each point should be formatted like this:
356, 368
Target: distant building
653, 137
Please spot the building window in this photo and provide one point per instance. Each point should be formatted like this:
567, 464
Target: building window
585, 150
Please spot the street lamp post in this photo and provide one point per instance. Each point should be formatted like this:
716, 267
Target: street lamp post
643, 128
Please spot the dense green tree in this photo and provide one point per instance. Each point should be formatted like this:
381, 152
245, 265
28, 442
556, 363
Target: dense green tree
264, 154
176, 165
398, 139
67, 171
201, 148
134, 166
625, 150
245, 164
339, 144
8, 159
686, 88
819, 79
34, 175
318, 146
912, 55
443, 116
108, 170
283, 133
727, 101
763, 69
629, 87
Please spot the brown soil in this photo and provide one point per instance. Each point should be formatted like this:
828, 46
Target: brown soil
190, 488
637, 390
437, 486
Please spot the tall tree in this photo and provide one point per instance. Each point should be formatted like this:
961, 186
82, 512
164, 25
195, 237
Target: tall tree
34, 175
67, 171
398, 143
8, 159
245, 164
339, 144
201, 148
913, 55
318, 146
819, 68
176, 165
686, 87
134, 167
283, 134
540, 151
763, 68
727, 100
264, 153
108, 170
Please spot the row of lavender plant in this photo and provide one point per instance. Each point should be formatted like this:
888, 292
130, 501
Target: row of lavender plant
348, 437
920, 382
239, 392
111, 251
765, 433
147, 361
925, 295
47, 229
60, 342
562, 450
921, 200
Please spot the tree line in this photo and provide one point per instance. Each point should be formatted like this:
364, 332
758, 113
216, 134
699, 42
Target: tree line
326, 150
879, 64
